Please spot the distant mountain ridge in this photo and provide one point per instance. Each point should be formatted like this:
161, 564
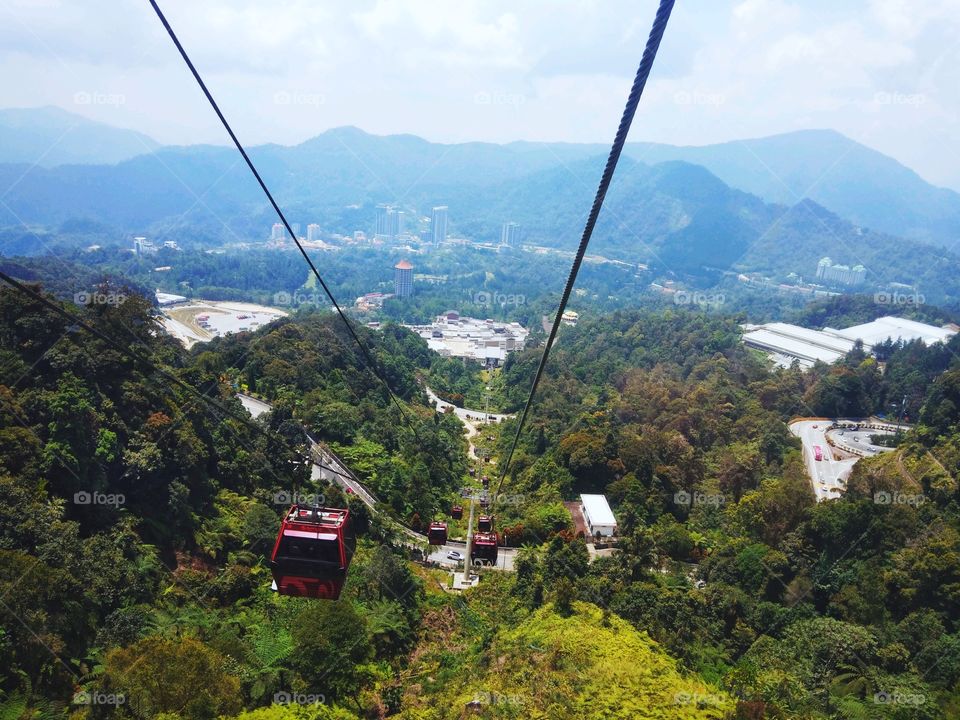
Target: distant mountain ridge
849, 179
671, 213
50, 136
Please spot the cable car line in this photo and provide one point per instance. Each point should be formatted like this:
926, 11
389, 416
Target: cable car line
368, 357
137, 357
633, 100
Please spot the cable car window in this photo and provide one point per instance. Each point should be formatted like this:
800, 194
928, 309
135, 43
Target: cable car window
309, 549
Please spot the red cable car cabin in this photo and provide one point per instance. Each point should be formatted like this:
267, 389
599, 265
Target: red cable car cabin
484, 548
485, 524
456, 512
313, 551
437, 534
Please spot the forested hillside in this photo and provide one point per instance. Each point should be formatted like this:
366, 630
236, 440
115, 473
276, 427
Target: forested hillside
136, 519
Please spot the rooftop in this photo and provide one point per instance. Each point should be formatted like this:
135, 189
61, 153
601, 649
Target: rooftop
786, 343
598, 509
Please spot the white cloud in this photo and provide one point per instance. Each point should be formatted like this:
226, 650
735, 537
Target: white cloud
498, 70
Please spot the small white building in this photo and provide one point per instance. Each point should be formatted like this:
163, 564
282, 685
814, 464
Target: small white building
598, 515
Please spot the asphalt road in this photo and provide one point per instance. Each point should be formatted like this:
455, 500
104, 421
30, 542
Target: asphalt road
860, 439
465, 413
828, 476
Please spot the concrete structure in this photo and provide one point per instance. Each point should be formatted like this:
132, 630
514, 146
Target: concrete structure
485, 341
313, 231
142, 246
438, 224
403, 279
510, 234
840, 274
787, 343
296, 229
598, 515
277, 231
570, 318
371, 301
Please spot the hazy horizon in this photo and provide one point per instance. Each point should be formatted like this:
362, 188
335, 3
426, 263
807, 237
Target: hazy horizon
881, 72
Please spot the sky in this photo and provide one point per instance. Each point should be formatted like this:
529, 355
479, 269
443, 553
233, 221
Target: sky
883, 72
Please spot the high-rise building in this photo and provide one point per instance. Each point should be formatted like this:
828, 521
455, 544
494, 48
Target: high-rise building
313, 231
438, 224
276, 233
510, 234
382, 229
296, 229
390, 222
403, 279
840, 274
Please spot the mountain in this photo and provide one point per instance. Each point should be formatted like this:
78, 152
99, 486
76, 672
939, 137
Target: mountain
349, 166
850, 179
673, 214
50, 136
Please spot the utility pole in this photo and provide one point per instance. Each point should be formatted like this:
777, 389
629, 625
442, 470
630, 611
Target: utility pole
466, 560
903, 405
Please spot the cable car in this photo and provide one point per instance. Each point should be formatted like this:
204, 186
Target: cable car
312, 552
485, 524
456, 512
483, 550
486, 481
437, 534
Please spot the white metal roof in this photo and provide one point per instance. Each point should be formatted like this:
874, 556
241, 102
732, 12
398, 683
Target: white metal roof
597, 509
804, 348
893, 327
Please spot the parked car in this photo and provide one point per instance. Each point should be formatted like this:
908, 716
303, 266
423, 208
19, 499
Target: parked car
454, 555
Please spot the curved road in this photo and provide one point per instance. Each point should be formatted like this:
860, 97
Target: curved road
336, 471
829, 475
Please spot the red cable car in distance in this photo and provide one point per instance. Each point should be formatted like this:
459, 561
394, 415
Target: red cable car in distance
437, 534
312, 552
456, 512
485, 524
